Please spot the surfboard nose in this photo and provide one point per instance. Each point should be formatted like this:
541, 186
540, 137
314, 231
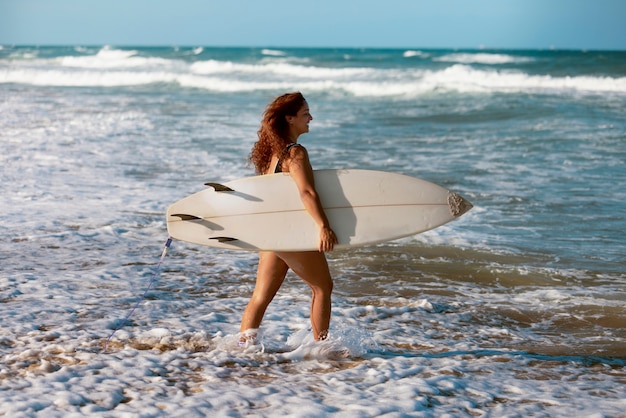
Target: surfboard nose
458, 204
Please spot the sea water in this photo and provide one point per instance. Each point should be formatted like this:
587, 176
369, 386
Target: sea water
515, 309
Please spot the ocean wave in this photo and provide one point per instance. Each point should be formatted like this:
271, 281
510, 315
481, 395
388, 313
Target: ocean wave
483, 58
25, 55
273, 68
463, 78
60, 78
109, 68
412, 53
108, 58
273, 52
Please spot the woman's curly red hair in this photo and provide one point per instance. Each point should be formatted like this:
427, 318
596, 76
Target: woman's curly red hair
274, 131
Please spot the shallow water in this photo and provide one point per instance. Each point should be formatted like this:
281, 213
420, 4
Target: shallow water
515, 309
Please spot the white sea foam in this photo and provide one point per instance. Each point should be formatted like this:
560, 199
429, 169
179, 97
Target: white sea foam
107, 59
467, 79
412, 53
86, 78
273, 52
125, 68
276, 69
483, 58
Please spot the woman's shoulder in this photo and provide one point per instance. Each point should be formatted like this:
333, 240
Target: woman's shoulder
295, 148
294, 145
296, 152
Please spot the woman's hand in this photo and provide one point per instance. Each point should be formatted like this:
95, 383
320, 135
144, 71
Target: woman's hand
328, 239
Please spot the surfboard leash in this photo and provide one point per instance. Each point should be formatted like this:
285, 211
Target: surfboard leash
152, 280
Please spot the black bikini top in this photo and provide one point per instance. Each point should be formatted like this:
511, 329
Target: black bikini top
278, 168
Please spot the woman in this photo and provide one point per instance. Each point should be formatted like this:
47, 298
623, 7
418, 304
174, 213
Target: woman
277, 150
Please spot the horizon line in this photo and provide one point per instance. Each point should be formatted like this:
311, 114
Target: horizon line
475, 48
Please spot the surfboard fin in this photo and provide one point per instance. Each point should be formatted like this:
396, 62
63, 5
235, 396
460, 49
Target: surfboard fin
458, 205
224, 239
186, 217
219, 187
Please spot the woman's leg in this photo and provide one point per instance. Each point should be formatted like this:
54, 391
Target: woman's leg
270, 276
312, 267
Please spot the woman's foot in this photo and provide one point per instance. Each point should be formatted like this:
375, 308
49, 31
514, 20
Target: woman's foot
248, 338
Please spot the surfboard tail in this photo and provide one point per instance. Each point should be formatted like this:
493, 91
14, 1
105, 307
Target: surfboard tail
458, 204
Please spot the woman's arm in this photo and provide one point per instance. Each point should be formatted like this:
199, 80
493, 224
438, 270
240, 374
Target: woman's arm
301, 171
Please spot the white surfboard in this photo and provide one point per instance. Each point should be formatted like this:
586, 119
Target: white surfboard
266, 213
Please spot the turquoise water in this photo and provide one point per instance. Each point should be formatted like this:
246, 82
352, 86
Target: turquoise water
528, 288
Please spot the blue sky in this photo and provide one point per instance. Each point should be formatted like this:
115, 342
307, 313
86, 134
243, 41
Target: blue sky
536, 24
